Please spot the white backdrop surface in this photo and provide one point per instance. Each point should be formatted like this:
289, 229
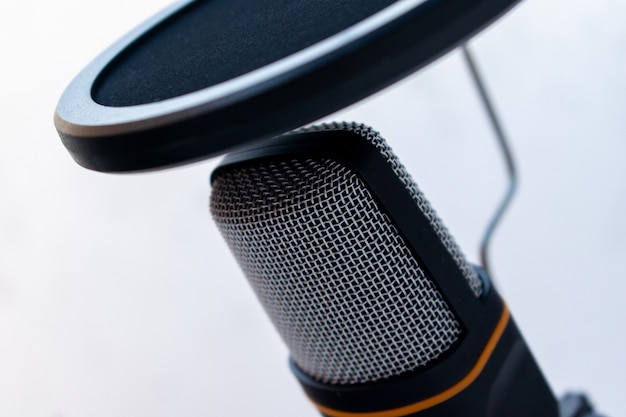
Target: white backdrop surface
118, 297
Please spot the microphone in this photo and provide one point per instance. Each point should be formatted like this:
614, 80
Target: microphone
382, 313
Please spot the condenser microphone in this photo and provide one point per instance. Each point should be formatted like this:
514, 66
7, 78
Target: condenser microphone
382, 314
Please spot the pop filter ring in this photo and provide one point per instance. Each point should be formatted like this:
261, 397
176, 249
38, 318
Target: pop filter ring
286, 94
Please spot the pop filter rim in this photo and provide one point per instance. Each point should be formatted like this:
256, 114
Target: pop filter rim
106, 138
79, 114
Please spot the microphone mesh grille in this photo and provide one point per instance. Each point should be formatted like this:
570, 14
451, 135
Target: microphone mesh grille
346, 294
375, 139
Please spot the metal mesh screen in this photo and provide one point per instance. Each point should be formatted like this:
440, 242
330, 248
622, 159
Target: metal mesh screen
331, 270
372, 136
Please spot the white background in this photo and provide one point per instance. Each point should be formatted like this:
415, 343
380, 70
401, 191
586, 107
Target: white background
118, 297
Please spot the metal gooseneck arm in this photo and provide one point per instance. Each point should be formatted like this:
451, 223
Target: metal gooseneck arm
505, 148
572, 404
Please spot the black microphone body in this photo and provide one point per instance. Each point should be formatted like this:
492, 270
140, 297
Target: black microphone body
382, 314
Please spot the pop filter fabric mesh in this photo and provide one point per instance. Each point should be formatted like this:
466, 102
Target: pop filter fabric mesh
348, 297
212, 41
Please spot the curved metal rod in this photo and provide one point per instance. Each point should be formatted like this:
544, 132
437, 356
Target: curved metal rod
506, 151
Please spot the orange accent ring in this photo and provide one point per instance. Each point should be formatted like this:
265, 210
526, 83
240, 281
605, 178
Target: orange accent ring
443, 396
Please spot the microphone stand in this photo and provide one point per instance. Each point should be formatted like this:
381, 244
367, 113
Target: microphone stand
571, 404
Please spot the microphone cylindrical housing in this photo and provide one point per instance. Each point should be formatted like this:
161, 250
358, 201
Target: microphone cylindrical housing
382, 314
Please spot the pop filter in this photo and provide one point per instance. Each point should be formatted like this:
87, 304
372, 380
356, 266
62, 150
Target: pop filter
205, 77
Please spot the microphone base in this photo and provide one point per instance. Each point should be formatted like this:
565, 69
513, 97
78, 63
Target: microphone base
576, 405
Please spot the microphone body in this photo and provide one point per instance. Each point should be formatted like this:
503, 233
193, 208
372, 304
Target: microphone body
381, 312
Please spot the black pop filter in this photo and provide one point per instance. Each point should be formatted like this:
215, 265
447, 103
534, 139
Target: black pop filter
207, 76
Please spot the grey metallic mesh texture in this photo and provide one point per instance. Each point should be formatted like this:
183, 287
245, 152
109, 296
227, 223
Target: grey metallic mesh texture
470, 274
336, 278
